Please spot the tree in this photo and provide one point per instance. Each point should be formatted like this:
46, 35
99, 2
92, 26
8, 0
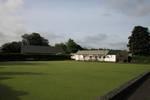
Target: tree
34, 39
61, 45
12, 47
72, 47
139, 41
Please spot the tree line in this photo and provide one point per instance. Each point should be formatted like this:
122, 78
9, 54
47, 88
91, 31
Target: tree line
37, 40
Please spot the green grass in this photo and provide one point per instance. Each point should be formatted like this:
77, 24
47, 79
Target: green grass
63, 80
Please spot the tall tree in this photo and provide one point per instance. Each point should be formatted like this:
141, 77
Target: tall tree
139, 41
12, 47
72, 47
34, 39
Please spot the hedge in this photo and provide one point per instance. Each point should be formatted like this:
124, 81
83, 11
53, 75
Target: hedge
32, 57
141, 59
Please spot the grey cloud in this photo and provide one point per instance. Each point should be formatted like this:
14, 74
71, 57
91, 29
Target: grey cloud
107, 14
102, 41
129, 7
11, 25
94, 41
55, 38
96, 38
118, 45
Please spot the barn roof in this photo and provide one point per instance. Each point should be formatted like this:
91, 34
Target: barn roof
93, 52
0, 49
41, 50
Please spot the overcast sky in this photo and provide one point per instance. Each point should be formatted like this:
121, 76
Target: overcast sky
91, 23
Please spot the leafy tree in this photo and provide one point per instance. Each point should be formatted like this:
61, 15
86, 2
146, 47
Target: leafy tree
12, 47
139, 41
34, 39
73, 47
61, 45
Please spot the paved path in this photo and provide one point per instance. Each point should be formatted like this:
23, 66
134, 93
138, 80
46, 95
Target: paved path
137, 91
142, 92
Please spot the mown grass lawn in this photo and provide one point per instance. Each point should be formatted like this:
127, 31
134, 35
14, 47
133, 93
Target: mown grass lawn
63, 80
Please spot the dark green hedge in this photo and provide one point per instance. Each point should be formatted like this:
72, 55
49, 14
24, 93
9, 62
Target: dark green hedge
141, 59
32, 57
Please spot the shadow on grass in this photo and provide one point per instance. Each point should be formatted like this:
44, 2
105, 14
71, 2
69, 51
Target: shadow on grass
8, 93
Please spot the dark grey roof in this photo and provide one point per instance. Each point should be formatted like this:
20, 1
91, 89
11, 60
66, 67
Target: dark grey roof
93, 52
114, 52
0, 49
41, 50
